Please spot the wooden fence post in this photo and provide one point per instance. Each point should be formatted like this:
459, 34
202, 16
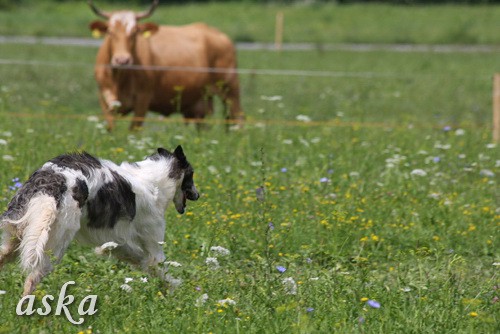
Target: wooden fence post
278, 33
496, 108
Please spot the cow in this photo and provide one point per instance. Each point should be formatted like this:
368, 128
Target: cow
144, 67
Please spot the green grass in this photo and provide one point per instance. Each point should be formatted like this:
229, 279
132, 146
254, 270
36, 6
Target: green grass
351, 221
318, 23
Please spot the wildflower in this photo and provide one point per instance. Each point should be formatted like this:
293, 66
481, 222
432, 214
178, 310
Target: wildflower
173, 264
3, 142
107, 246
3, 292
144, 279
212, 263
459, 132
492, 145
364, 299
220, 251
447, 128
487, 173
172, 281
270, 226
290, 286
473, 314
418, 172
284, 170
92, 119
126, 287
201, 300
128, 280
436, 159
310, 309
373, 303
7, 157
271, 98
281, 269
303, 118
324, 180
225, 302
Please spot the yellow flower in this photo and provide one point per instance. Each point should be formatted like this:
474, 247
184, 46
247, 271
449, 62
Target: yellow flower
364, 299
435, 238
473, 314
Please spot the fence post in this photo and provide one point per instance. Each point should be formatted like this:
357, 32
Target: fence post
278, 33
496, 108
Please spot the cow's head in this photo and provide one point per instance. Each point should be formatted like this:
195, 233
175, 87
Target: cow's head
122, 28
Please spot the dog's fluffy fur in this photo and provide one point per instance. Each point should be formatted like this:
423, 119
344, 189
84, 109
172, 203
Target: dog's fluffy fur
95, 201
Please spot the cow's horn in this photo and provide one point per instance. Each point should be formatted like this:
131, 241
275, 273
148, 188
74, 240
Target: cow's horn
149, 12
97, 11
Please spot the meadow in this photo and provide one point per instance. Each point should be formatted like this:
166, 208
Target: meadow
361, 196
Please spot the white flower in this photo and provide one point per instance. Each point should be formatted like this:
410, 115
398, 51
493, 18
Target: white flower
128, 280
227, 301
303, 118
492, 145
173, 264
174, 282
201, 300
161, 242
212, 263
271, 98
290, 286
220, 251
8, 157
93, 119
487, 173
107, 246
3, 292
459, 132
126, 287
418, 172
287, 141
144, 279
406, 289
3, 142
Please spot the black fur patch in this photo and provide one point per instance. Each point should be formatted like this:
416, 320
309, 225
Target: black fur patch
80, 192
113, 201
42, 181
83, 162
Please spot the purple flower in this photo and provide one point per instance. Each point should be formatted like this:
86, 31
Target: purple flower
361, 320
270, 226
373, 303
310, 309
324, 180
284, 170
281, 269
330, 171
436, 159
447, 128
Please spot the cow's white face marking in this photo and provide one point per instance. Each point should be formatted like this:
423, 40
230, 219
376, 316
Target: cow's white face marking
127, 19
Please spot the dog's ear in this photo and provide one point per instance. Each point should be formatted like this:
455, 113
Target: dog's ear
164, 152
179, 154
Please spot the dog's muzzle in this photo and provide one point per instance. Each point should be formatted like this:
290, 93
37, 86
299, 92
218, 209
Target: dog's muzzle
190, 194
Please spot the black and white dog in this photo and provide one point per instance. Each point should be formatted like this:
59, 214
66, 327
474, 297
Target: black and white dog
95, 201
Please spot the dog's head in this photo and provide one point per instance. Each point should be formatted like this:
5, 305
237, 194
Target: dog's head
183, 172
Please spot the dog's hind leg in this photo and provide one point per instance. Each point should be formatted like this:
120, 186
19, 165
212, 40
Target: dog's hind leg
36, 225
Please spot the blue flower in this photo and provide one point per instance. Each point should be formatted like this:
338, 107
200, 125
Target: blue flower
373, 303
324, 180
281, 269
447, 128
270, 226
284, 170
310, 309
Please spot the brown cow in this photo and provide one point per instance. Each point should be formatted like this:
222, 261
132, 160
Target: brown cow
166, 69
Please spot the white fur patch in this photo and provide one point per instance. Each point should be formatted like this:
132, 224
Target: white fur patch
127, 19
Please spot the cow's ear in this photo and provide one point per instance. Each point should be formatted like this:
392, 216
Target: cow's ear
98, 28
147, 29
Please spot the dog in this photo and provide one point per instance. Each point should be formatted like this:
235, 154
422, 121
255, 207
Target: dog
78, 196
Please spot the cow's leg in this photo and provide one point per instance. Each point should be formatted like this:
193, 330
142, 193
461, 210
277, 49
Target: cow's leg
229, 92
141, 107
109, 105
204, 107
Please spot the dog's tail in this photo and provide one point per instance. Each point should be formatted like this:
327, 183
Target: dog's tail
33, 229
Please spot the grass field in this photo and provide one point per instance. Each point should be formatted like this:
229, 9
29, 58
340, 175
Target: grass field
379, 215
